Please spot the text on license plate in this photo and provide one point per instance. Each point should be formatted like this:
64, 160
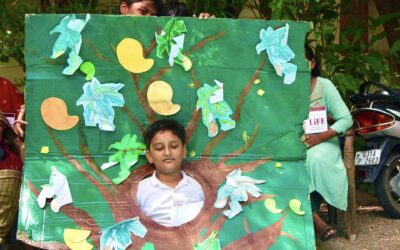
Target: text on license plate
369, 157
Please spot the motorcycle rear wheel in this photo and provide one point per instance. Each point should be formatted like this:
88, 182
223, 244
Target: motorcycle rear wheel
389, 199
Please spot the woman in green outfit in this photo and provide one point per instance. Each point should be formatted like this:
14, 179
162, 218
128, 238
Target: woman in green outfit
328, 178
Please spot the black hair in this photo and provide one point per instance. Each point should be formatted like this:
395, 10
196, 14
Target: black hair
130, 2
164, 125
309, 53
174, 8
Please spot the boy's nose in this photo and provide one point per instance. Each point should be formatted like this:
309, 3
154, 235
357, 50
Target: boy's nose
167, 151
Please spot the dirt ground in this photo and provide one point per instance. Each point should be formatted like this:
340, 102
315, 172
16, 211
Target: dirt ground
374, 229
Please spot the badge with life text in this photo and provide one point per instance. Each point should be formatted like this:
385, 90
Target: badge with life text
316, 122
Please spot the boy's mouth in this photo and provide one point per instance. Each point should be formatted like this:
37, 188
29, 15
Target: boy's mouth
168, 160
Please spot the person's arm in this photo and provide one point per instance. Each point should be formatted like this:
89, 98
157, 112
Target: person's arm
337, 108
339, 115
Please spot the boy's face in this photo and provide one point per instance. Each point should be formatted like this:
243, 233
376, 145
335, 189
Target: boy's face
143, 8
166, 152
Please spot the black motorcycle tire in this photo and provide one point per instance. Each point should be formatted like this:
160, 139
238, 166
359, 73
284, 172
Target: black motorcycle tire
390, 204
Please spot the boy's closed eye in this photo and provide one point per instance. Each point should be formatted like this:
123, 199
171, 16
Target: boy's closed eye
159, 147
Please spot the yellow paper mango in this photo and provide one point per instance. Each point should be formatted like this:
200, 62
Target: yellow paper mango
270, 205
130, 56
295, 205
76, 239
159, 96
55, 115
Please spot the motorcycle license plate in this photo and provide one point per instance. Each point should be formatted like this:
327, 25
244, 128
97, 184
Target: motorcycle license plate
369, 157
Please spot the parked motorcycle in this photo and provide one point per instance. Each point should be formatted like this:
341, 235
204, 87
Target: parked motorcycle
376, 111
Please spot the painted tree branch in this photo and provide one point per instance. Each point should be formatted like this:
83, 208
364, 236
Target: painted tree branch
262, 239
143, 101
246, 90
204, 42
246, 167
103, 190
157, 76
152, 45
133, 118
242, 149
89, 160
79, 216
215, 141
97, 53
195, 118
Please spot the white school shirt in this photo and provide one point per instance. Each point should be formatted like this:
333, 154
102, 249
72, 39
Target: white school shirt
170, 206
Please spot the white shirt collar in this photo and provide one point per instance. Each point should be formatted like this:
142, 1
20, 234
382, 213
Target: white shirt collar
156, 182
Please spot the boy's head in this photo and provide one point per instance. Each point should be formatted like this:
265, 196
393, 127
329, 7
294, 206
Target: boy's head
166, 147
139, 7
174, 8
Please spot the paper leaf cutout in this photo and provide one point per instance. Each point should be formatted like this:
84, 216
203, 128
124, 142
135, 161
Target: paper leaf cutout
70, 38
213, 111
211, 243
127, 154
76, 239
236, 189
148, 246
170, 42
74, 60
270, 205
130, 56
295, 205
118, 236
98, 101
88, 69
159, 96
55, 114
58, 189
274, 42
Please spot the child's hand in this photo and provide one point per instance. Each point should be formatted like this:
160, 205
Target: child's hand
204, 16
20, 123
18, 127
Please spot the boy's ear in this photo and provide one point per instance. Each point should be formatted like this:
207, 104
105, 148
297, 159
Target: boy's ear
313, 63
148, 156
184, 151
123, 8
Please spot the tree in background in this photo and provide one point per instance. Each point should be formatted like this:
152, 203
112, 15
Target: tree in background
348, 63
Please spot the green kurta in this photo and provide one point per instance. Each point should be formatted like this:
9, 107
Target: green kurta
324, 161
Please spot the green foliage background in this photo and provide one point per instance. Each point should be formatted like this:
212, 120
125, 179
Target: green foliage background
347, 62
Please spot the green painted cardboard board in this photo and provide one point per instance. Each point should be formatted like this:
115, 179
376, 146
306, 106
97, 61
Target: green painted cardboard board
267, 133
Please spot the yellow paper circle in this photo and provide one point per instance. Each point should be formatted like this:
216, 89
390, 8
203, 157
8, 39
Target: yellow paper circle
130, 56
55, 115
159, 96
